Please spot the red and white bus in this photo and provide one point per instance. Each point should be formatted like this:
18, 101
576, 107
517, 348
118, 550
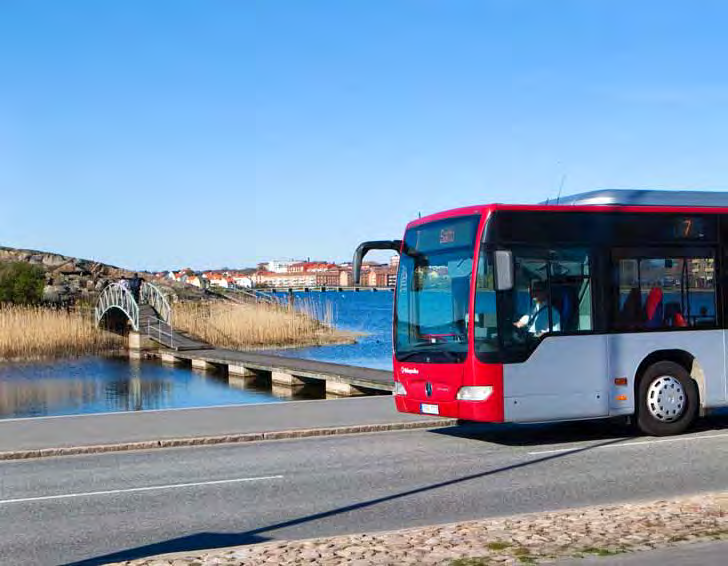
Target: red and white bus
609, 303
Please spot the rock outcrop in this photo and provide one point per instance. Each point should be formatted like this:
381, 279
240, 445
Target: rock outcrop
70, 280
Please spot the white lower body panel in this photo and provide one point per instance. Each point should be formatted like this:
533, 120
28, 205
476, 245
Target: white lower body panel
572, 377
564, 378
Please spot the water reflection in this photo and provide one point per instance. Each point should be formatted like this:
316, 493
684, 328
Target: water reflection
135, 393
97, 385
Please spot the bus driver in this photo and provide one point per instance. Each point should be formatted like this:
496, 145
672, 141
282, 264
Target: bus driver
537, 322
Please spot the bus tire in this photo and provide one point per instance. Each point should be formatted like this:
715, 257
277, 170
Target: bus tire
667, 400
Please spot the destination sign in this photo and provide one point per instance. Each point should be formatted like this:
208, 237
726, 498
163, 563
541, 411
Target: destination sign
445, 234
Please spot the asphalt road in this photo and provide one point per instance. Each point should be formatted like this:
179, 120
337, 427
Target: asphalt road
112, 507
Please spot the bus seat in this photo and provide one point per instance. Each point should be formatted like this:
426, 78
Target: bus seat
563, 297
654, 308
631, 314
674, 316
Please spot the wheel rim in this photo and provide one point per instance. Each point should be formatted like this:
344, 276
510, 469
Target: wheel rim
666, 399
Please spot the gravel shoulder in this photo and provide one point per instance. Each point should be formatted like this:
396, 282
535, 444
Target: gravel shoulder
608, 530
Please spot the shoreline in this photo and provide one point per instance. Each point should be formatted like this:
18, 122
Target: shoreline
346, 338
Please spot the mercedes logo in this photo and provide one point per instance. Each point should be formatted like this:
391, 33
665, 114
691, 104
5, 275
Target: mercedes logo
428, 389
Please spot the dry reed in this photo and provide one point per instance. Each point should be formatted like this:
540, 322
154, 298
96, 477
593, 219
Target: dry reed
258, 325
36, 332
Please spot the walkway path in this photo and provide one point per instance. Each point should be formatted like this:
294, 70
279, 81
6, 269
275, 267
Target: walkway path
235, 360
162, 332
33, 437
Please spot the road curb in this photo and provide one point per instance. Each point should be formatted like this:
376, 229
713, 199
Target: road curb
220, 439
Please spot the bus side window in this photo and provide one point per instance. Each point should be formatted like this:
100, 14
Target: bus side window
571, 289
701, 291
629, 315
662, 293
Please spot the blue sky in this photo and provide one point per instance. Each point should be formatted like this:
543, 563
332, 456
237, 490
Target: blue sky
209, 133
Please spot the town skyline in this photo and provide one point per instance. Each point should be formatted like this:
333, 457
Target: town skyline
288, 274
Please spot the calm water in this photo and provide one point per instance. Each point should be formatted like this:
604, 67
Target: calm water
100, 385
366, 312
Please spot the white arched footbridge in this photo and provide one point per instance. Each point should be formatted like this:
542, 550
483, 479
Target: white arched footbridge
151, 316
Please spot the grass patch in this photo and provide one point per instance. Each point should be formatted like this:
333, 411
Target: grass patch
498, 545
28, 333
258, 325
601, 551
524, 555
471, 562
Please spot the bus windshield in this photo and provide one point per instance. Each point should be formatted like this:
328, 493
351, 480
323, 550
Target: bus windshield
433, 289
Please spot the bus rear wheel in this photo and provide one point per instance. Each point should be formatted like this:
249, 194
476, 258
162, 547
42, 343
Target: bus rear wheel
667, 400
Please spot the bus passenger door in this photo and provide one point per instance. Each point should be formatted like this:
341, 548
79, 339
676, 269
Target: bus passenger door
563, 373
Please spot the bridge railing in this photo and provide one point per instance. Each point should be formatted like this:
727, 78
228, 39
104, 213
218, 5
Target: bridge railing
153, 296
160, 331
118, 296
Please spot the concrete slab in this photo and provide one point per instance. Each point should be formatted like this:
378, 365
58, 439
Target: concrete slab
284, 378
241, 371
342, 389
168, 358
367, 378
202, 365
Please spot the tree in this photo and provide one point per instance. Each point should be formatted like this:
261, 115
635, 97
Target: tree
21, 283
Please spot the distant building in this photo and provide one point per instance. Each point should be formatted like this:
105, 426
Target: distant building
195, 281
280, 266
345, 278
380, 276
283, 280
302, 274
243, 281
329, 278
218, 280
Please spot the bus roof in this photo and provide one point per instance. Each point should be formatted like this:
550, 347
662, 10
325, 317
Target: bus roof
646, 198
610, 199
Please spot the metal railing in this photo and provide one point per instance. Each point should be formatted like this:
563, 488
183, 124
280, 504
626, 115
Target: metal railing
160, 331
117, 296
259, 296
153, 296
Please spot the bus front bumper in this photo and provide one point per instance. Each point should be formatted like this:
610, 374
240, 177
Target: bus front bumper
490, 410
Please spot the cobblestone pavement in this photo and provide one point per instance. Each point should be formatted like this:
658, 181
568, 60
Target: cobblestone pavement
520, 539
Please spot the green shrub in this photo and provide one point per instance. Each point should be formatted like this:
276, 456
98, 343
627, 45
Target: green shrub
21, 283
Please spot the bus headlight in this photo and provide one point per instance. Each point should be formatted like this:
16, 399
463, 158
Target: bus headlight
399, 389
474, 393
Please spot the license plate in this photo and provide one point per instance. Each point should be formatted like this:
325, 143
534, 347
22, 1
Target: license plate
429, 409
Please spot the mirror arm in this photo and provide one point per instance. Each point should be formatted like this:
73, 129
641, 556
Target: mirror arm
365, 247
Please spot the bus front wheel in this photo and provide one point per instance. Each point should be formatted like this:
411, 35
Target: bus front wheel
667, 400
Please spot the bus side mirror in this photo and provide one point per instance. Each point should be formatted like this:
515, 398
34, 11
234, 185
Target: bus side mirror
503, 265
362, 250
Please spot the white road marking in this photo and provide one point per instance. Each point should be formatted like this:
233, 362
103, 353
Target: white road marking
627, 444
137, 489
